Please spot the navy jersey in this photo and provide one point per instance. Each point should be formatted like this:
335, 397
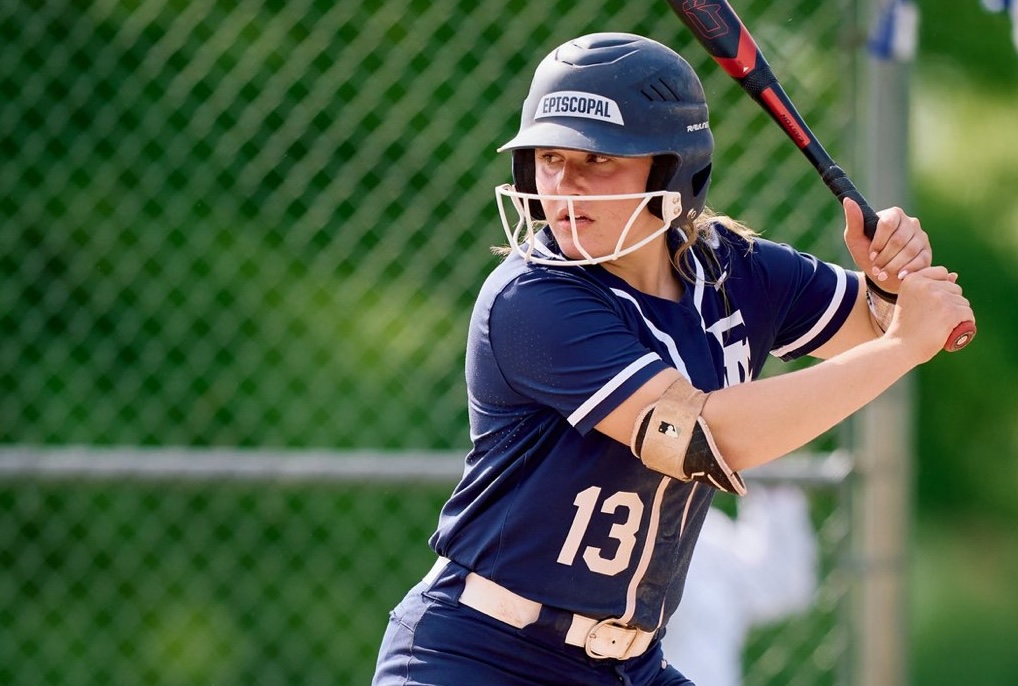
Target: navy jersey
562, 514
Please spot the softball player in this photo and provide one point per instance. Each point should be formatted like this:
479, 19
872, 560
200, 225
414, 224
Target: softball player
610, 370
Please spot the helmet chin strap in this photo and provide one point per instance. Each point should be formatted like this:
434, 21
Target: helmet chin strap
522, 234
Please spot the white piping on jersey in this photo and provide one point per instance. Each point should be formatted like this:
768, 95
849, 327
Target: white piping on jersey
718, 328
682, 530
655, 519
685, 510
541, 247
721, 280
832, 308
698, 289
673, 350
580, 412
648, 551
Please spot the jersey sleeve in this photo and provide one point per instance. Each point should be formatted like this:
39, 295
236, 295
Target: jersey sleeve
562, 342
809, 299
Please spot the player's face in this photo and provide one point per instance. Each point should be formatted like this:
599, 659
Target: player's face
598, 222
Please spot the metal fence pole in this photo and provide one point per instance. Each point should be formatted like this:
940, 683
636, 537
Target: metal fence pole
881, 501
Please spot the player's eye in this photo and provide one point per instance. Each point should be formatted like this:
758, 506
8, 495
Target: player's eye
547, 158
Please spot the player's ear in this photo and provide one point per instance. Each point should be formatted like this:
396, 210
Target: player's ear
662, 169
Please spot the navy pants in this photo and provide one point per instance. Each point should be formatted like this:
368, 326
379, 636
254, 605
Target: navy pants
432, 640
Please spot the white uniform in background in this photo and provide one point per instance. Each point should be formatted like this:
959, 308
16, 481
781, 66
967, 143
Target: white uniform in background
757, 568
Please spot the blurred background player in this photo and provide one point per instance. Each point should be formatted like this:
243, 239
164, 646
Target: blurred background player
747, 571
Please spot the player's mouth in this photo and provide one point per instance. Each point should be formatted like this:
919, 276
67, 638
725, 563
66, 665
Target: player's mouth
565, 221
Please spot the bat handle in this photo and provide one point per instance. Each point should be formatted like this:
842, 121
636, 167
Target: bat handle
842, 187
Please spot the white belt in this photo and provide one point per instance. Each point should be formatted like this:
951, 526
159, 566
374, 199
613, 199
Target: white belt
600, 638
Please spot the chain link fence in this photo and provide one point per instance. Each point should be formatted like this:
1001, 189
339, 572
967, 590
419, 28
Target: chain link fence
175, 567
259, 227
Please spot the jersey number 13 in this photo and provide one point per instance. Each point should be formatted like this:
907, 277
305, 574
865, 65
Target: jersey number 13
624, 531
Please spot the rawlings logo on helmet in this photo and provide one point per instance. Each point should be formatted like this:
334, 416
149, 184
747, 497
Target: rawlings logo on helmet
579, 104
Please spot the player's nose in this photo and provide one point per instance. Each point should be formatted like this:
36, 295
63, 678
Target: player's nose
570, 180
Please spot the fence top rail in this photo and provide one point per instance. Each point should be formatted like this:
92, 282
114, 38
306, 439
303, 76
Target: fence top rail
237, 464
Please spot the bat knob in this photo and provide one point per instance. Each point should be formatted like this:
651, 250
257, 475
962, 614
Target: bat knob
960, 337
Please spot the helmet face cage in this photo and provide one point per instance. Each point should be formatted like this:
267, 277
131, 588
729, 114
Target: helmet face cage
618, 95
523, 238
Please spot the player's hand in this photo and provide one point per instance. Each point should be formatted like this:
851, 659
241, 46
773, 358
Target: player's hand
930, 305
899, 246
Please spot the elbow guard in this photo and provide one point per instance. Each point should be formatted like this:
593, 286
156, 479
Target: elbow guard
672, 438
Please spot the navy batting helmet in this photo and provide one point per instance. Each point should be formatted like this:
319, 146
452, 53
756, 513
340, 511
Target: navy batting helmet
620, 95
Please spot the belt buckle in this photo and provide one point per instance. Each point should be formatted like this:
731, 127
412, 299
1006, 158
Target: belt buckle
610, 638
